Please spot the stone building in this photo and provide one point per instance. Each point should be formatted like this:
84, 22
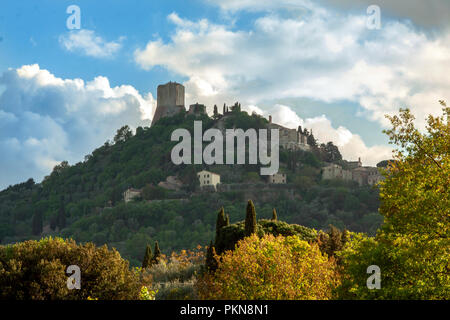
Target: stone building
131, 194
335, 171
170, 100
197, 109
277, 178
290, 139
359, 174
208, 178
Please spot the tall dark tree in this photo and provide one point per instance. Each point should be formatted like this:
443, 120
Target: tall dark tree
61, 218
216, 112
221, 222
36, 223
250, 219
156, 254
274, 215
330, 152
211, 262
123, 134
311, 140
224, 108
147, 262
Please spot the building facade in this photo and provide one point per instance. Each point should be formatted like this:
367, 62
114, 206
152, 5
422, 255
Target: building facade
278, 178
208, 178
361, 175
131, 194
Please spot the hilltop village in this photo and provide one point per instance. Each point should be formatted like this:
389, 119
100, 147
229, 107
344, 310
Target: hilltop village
171, 101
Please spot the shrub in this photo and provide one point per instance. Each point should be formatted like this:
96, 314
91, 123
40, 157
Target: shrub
230, 235
271, 268
37, 270
173, 277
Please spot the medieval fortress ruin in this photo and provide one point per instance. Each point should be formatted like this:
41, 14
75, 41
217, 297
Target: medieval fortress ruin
171, 101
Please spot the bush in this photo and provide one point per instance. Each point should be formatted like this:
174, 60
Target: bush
173, 277
271, 268
37, 270
230, 235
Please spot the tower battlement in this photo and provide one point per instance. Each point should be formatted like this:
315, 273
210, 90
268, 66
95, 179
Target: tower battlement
170, 100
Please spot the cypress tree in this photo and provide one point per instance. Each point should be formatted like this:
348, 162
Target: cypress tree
211, 262
61, 219
157, 254
221, 222
274, 215
36, 223
227, 221
147, 258
250, 219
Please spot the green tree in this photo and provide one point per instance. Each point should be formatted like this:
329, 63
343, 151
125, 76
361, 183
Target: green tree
36, 270
147, 262
250, 219
61, 218
156, 254
221, 222
36, 223
123, 134
412, 248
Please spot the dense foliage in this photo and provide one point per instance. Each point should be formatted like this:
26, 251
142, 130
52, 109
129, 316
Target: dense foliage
271, 268
37, 270
412, 248
85, 201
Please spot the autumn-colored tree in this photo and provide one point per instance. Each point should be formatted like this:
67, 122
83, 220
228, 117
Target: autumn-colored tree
412, 248
271, 268
250, 219
147, 262
274, 215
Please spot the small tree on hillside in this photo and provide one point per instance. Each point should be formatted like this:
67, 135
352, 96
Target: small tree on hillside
147, 258
221, 222
61, 219
211, 262
250, 219
36, 223
157, 254
274, 215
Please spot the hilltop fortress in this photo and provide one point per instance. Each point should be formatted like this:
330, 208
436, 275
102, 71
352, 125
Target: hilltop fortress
171, 100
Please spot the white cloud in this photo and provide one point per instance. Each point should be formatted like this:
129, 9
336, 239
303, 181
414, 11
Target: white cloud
88, 43
45, 119
320, 55
350, 145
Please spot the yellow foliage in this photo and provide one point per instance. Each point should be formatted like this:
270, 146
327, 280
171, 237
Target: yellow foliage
271, 268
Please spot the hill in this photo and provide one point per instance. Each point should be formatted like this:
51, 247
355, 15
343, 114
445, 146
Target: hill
84, 201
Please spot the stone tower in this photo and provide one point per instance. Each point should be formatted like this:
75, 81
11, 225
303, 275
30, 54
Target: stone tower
170, 100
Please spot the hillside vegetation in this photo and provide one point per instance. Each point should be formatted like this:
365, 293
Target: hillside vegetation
84, 201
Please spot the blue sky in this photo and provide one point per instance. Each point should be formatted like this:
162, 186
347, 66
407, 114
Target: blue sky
317, 64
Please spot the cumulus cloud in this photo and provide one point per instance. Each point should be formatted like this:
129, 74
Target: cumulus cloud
88, 43
320, 55
45, 119
350, 144
429, 13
